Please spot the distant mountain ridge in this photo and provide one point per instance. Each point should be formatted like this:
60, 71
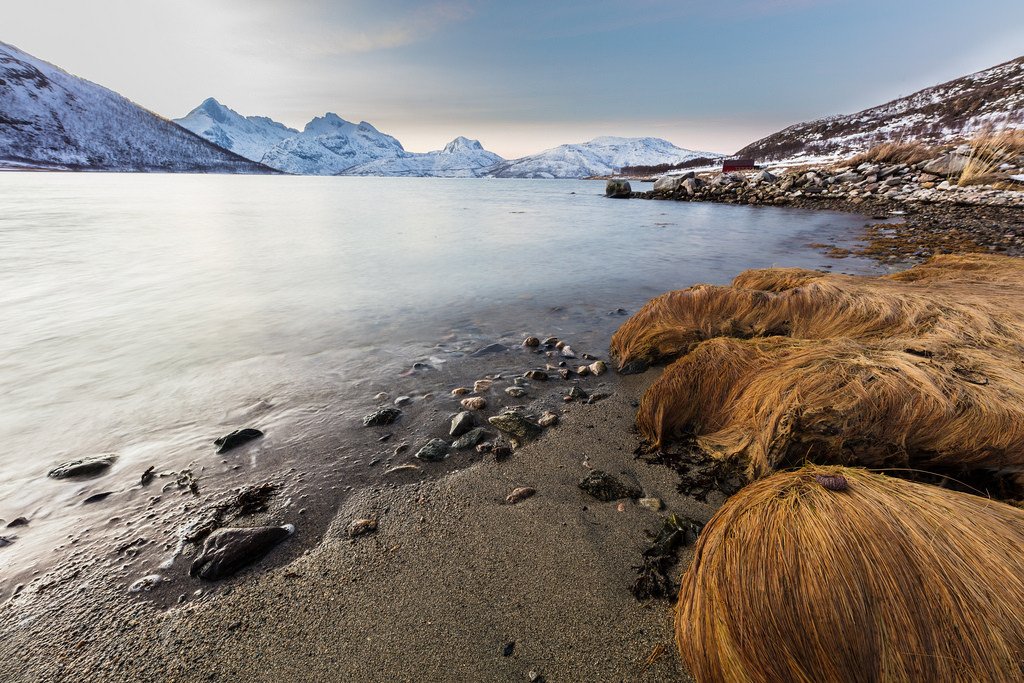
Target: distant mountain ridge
958, 108
52, 119
250, 136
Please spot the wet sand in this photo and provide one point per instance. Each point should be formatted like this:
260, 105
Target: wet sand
453, 575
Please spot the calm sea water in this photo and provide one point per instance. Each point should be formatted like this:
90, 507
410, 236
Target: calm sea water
145, 314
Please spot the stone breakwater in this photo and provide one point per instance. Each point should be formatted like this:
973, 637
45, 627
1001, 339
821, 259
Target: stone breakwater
929, 212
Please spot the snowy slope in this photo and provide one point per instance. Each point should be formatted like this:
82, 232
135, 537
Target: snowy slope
329, 145
460, 158
51, 119
600, 156
250, 136
958, 108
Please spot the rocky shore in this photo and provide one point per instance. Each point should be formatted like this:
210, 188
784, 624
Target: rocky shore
926, 211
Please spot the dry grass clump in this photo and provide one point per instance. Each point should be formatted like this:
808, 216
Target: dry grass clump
895, 153
989, 150
835, 574
921, 368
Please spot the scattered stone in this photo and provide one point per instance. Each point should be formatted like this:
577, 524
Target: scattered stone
6, 541
434, 450
401, 448
606, 487
461, 391
537, 375
484, 447
147, 476
146, 583
382, 416
83, 467
382, 396
531, 342
597, 397
564, 373
515, 391
568, 352
598, 368
362, 526
403, 400
583, 370
20, 521
489, 349
508, 648
462, 423
548, 419
651, 503
96, 497
667, 183
482, 385
474, 403
520, 382
501, 450
470, 439
237, 438
560, 345
618, 189
576, 394
403, 468
519, 494
516, 425
384, 438
225, 551
550, 341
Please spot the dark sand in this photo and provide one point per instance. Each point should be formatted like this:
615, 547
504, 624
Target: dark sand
453, 575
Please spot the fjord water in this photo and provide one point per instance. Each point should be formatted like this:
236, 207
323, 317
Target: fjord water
145, 315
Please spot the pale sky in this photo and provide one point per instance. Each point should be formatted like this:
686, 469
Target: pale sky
522, 75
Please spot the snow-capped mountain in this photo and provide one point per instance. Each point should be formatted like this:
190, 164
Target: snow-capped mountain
250, 136
51, 119
329, 145
460, 158
600, 156
993, 97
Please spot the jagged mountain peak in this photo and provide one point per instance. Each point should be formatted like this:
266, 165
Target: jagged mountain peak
461, 144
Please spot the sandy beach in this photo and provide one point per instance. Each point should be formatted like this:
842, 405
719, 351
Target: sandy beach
453, 576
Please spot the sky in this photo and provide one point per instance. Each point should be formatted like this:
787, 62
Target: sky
523, 75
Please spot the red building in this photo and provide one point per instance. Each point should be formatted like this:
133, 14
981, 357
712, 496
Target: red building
729, 165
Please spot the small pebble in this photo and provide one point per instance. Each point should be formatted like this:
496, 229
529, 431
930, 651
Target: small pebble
362, 526
531, 342
474, 403
461, 391
482, 385
548, 419
519, 494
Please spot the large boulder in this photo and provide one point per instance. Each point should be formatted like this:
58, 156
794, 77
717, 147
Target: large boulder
667, 183
947, 165
228, 550
618, 189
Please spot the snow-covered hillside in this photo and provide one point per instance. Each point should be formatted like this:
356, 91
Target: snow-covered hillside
993, 97
329, 145
600, 156
460, 158
250, 136
51, 119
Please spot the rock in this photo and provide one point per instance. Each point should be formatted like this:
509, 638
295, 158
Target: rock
575, 394
83, 467
519, 494
237, 438
583, 370
403, 400
531, 342
604, 486
508, 648
462, 423
147, 476
225, 551
516, 425
618, 189
848, 177
96, 497
548, 419
651, 503
667, 183
537, 375
461, 391
146, 583
20, 521
6, 541
594, 398
564, 373
470, 439
690, 186
501, 450
598, 368
359, 527
763, 177
403, 468
382, 416
382, 396
433, 451
550, 341
474, 403
482, 385
489, 349
515, 392
947, 165
567, 352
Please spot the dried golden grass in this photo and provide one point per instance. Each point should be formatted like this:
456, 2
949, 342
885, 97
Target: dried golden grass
921, 368
888, 580
989, 150
894, 153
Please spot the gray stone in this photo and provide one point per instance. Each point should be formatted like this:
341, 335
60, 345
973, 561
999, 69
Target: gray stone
947, 165
381, 416
237, 438
667, 183
225, 551
763, 177
433, 451
470, 439
462, 423
83, 467
515, 391
516, 425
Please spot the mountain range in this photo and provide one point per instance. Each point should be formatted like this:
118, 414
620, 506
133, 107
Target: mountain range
50, 119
